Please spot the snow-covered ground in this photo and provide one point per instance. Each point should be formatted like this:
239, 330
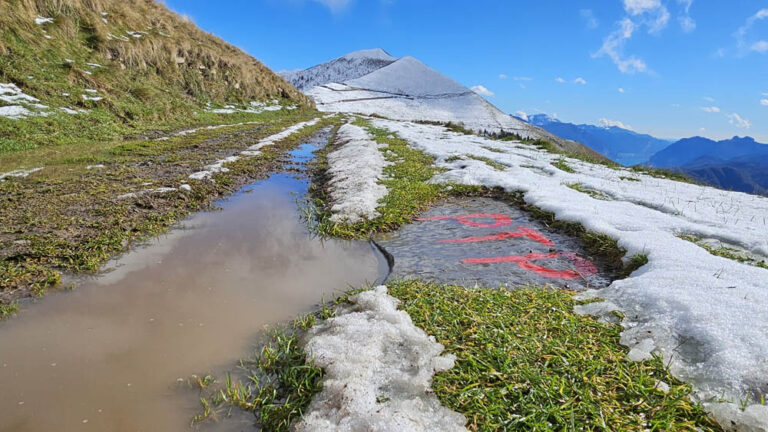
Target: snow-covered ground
15, 104
707, 315
355, 169
253, 107
378, 371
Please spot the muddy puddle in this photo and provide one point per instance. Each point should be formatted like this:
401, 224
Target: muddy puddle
485, 242
108, 356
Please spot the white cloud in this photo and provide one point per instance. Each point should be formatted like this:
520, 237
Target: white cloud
708, 99
522, 86
760, 46
742, 33
637, 7
764, 102
335, 5
711, 109
613, 46
560, 80
738, 121
606, 123
621, 89
502, 76
481, 90
686, 22
521, 114
522, 78
580, 80
589, 18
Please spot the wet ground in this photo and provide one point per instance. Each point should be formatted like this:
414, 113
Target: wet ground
108, 355
485, 242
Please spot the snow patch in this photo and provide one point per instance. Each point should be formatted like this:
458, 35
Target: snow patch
157, 191
19, 173
218, 166
355, 170
42, 20
706, 315
378, 371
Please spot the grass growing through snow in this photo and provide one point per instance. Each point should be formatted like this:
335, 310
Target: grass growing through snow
406, 179
579, 187
525, 361
726, 252
562, 165
488, 161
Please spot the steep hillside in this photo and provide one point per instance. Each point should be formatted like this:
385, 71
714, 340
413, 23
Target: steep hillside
407, 89
744, 174
689, 149
99, 69
350, 66
624, 146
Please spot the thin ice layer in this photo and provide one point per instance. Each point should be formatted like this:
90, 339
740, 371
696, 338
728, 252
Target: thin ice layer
378, 371
706, 314
355, 169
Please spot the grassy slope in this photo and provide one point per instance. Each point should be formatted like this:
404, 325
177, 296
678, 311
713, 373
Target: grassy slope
161, 80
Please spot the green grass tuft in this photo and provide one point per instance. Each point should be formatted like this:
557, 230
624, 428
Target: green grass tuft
525, 361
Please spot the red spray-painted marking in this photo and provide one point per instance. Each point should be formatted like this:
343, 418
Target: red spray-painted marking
584, 267
521, 232
499, 219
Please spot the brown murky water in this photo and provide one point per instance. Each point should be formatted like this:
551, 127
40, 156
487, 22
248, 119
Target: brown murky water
107, 356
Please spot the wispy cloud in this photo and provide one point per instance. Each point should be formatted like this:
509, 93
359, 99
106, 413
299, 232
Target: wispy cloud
739, 121
708, 99
764, 102
621, 89
613, 45
686, 22
606, 123
521, 114
711, 109
589, 18
481, 90
743, 33
502, 76
335, 6
560, 80
580, 80
760, 46
522, 78
652, 15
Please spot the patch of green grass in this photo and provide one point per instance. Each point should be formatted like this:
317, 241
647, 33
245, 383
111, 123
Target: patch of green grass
494, 149
545, 145
591, 192
490, 162
662, 173
406, 179
726, 252
632, 179
7, 310
562, 165
280, 381
525, 361
634, 263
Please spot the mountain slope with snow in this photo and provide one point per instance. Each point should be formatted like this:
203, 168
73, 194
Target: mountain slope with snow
407, 89
350, 66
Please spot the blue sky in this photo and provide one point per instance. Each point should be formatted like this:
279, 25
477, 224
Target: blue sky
671, 68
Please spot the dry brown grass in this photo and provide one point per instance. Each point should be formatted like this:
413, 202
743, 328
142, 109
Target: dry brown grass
172, 47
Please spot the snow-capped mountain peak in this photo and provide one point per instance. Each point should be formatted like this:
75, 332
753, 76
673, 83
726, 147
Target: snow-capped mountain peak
351, 66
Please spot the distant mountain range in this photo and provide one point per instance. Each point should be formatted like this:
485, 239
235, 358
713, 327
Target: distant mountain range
621, 145
739, 164
373, 82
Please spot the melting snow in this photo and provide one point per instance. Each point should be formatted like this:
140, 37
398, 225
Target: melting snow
21, 104
19, 173
254, 107
378, 371
42, 20
355, 169
251, 151
707, 315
